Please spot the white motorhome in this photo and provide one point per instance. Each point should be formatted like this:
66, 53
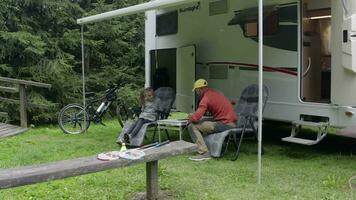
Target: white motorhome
309, 55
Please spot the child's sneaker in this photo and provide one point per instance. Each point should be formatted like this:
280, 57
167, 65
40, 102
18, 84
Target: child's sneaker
119, 141
126, 138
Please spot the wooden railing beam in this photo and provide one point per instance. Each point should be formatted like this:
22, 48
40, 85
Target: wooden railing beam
9, 100
4, 114
24, 82
29, 105
9, 89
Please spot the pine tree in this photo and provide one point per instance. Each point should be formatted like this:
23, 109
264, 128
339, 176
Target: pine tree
40, 41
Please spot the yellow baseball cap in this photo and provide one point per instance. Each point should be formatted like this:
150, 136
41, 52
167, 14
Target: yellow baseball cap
200, 83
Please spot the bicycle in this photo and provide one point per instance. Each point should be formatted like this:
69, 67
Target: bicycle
71, 117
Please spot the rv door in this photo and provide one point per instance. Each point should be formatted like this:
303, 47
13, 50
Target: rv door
343, 47
349, 36
349, 43
185, 78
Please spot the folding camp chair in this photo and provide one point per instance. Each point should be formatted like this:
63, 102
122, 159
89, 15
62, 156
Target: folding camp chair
164, 98
246, 110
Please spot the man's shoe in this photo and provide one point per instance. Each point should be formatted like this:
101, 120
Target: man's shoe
201, 157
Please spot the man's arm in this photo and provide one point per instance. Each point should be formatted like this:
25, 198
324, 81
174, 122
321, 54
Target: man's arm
203, 106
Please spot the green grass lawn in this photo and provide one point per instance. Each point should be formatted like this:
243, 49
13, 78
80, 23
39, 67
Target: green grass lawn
289, 171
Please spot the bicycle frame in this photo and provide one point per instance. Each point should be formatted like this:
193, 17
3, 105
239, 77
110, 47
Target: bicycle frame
73, 115
106, 100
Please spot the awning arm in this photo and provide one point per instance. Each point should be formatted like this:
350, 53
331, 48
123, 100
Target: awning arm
260, 88
157, 4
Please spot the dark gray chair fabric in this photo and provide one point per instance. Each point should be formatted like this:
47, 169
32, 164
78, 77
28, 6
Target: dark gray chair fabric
164, 98
246, 110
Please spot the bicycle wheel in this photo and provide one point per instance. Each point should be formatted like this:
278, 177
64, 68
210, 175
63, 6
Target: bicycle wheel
71, 119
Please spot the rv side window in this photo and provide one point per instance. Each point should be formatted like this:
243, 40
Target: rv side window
167, 23
270, 26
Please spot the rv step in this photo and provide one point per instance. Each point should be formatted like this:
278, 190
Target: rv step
300, 141
297, 127
307, 123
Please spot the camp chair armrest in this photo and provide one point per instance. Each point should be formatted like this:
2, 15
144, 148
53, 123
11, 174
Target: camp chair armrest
162, 114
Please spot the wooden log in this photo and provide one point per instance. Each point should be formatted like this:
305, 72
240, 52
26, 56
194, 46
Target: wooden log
152, 180
23, 105
68, 168
9, 89
24, 82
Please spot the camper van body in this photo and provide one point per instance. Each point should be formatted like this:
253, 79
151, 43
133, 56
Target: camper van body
309, 61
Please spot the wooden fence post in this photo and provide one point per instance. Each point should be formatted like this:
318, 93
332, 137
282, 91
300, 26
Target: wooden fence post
152, 180
23, 105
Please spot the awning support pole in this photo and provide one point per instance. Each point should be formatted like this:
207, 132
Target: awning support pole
83, 75
260, 88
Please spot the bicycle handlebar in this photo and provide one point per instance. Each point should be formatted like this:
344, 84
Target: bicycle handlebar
110, 93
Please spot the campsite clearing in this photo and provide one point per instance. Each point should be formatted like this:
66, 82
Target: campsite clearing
289, 171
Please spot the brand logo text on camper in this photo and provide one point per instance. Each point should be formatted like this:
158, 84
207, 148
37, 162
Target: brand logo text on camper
191, 8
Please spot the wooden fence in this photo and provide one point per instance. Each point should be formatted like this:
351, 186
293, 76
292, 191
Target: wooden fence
19, 86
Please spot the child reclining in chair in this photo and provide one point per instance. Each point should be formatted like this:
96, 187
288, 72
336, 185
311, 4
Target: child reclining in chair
148, 114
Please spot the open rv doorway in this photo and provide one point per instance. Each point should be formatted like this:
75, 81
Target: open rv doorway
175, 68
163, 68
316, 51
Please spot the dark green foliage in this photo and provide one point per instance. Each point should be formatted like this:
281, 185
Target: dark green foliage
40, 41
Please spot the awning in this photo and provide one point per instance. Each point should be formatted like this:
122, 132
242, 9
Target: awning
159, 4
251, 14
152, 5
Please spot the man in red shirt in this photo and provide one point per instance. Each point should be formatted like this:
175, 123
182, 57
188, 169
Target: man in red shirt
219, 107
